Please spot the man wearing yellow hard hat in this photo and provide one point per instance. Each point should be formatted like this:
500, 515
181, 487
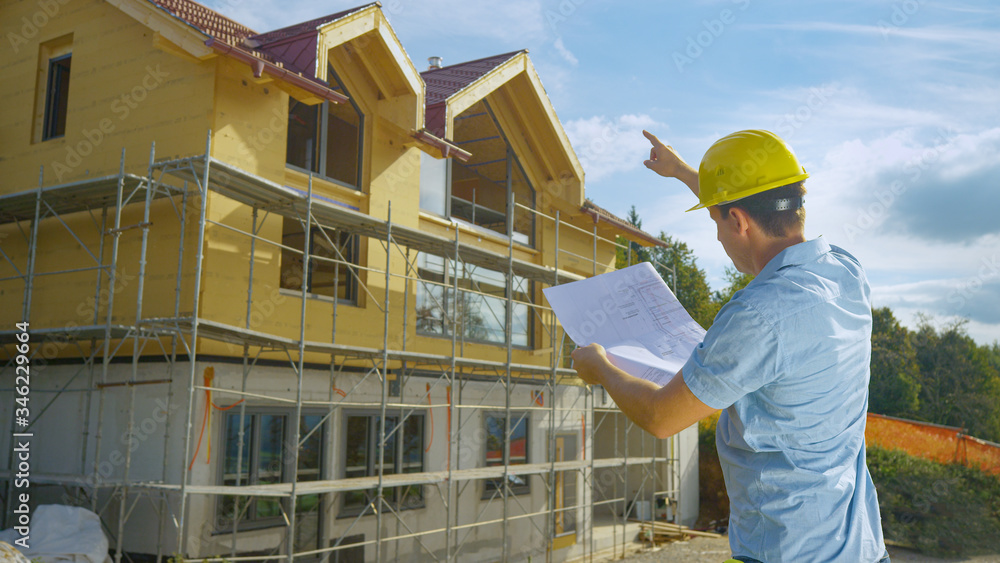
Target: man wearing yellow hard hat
786, 360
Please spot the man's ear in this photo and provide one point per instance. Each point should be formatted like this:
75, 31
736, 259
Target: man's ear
741, 220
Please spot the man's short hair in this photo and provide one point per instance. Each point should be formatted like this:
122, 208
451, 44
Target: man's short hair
761, 208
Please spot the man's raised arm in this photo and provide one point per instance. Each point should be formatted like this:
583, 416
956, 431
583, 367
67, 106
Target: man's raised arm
665, 161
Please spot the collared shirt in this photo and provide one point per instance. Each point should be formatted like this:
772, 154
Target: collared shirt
788, 359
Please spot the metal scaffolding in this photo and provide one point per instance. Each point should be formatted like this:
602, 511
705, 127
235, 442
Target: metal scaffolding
184, 185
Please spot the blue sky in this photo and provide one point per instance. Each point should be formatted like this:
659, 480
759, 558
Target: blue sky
893, 108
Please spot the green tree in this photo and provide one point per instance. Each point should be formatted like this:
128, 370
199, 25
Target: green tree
629, 252
959, 383
692, 286
895, 378
736, 281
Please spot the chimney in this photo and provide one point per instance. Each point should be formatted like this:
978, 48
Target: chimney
434, 62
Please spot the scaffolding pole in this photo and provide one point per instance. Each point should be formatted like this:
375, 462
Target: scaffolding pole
455, 371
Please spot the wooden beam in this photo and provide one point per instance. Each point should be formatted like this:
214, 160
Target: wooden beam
170, 27
479, 89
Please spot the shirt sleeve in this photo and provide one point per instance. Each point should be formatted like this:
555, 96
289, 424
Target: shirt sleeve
740, 354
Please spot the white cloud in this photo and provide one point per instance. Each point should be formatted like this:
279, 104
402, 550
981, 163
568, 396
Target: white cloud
975, 38
565, 53
608, 146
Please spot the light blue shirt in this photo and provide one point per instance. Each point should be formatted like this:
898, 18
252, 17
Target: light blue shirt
788, 359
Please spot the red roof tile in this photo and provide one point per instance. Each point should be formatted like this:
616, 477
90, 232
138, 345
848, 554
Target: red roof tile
295, 45
207, 20
443, 82
310, 26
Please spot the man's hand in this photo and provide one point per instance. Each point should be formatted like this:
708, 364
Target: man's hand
589, 363
665, 161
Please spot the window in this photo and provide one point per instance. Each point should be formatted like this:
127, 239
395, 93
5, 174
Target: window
481, 303
361, 458
327, 138
479, 190
57, 97
434, 184
517, 446
264, 458
55, 59
333, 255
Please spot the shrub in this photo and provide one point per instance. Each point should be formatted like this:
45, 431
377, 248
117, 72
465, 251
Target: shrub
940, 509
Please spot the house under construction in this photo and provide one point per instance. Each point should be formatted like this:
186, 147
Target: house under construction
283, 295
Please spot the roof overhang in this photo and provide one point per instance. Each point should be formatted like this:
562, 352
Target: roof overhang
188, 38
179, 37
316, 92
515, 93
374, 44
440, 148
620, 226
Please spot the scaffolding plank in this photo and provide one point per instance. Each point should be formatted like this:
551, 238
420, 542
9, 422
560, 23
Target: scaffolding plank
67, 198
68, 333
397, 480
255, 191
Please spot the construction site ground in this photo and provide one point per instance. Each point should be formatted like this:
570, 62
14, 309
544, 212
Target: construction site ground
716, 550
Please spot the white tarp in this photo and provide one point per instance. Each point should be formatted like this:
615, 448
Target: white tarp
62, 533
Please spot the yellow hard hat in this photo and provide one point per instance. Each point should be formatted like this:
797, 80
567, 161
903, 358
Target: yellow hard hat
743, 164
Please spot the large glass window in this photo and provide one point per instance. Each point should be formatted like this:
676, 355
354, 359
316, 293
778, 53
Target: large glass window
361, 458
265, 458
517, 446
478, 191
327, 138
479, 307
334, 255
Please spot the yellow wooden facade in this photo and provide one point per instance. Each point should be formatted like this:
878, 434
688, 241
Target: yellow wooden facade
139, 76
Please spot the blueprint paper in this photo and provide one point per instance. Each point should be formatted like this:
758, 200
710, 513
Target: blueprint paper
634, 315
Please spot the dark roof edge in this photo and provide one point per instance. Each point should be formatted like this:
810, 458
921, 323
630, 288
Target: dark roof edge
599, 213
260, 66
508, 56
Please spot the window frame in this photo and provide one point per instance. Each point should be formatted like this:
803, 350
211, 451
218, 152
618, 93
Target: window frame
447, 284
353, 257
350, 511
513, 163
492, 487
222, 523
56, 99
321, 136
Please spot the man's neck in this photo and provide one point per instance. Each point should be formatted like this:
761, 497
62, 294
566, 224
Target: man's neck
770, 247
